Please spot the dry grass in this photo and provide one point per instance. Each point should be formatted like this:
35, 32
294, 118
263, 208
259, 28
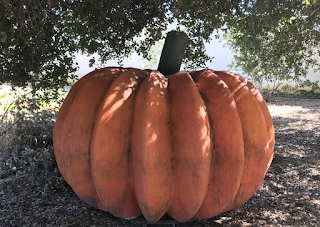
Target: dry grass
33, 193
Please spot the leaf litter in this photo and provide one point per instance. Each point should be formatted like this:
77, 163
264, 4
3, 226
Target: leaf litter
33, 193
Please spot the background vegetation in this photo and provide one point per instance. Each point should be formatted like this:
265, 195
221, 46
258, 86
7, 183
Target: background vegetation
273, 40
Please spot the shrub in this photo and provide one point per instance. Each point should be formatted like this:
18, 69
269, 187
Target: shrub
26, 151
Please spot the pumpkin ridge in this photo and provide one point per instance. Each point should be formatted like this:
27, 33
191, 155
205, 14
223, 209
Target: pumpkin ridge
255, 138
110, 147
75, 140
188, 117
227, 158
60, 121
151, 149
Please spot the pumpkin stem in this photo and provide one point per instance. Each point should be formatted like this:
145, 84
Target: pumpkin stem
172, 53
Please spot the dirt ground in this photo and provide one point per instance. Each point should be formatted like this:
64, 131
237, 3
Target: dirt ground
289, 196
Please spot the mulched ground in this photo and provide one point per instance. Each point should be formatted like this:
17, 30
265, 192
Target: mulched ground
34, 194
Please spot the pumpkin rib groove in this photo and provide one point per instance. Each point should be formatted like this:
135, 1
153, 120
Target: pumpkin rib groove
266, 114
254, 135
60, 121
221, 110
76, 139
151, 148
240, 198
133, 202
191, 154
110, 147
268, 121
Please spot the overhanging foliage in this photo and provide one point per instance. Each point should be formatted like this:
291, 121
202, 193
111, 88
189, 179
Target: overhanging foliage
38, 39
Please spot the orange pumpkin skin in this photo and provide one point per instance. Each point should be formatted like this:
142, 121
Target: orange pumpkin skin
192, 145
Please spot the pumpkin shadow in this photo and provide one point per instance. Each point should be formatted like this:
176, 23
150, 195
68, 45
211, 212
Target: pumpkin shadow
167, 221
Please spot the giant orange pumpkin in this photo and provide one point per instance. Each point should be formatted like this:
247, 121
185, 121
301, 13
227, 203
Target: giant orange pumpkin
192, 145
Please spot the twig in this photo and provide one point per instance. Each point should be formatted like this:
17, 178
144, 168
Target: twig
6, 180
6, 111
274, 88
10, 126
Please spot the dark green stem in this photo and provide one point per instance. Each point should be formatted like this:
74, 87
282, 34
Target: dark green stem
172, 53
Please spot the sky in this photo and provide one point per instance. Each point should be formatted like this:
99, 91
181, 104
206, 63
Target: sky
222, 57
222, 54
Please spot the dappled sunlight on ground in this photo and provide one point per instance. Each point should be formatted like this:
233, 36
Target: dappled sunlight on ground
289, 195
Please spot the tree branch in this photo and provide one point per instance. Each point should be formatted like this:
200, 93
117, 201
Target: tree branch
10, 126
6, 111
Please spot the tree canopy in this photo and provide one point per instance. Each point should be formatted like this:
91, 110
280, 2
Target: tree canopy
276, 40
39, 39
